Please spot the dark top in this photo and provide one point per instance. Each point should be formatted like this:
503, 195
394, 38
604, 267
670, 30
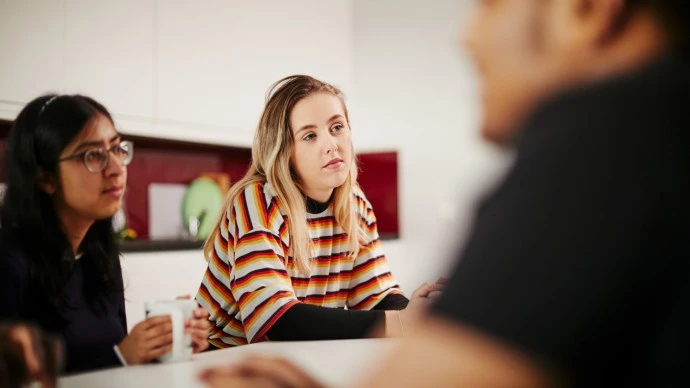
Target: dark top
581, 258
88, 333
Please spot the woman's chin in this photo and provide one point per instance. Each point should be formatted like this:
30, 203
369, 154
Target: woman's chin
108, 212
339, 181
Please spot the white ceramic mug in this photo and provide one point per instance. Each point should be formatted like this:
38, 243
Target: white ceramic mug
179, 311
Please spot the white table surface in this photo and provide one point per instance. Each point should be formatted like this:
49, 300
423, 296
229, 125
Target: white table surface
335, 363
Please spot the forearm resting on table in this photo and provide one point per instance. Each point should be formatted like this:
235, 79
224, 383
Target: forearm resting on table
392, 325
304, 322
307, 322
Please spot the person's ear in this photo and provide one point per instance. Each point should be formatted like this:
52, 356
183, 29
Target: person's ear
47, 182
597, 20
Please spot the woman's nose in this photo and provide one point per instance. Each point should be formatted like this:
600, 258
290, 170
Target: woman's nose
115, 165
332, 146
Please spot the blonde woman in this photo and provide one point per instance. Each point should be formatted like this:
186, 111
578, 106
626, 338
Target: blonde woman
296, 254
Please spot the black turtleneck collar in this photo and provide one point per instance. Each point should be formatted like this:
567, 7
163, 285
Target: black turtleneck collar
316, 207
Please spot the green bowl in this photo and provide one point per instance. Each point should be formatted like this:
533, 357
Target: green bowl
203, 200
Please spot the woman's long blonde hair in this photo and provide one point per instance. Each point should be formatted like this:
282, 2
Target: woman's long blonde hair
271, 151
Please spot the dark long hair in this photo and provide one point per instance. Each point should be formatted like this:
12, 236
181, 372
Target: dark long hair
27, 216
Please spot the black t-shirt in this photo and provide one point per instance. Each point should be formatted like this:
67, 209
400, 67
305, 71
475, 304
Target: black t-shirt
581, 258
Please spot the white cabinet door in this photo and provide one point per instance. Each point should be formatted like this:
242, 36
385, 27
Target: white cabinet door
31, 44
109, 53
217, 58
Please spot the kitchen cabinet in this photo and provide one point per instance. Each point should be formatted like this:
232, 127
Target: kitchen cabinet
217, 58
109, 53
192, 71
32, 52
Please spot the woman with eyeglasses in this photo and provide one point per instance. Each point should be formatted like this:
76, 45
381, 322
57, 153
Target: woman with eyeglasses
66, 172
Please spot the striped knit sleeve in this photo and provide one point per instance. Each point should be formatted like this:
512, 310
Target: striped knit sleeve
372, 279
255, 279
214, 292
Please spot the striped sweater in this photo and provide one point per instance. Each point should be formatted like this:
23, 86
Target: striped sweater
249, 284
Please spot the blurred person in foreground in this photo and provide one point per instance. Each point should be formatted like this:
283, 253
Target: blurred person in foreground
28, 356
578, 268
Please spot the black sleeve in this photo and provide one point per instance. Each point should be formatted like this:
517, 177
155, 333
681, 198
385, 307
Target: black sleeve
122, 312
565, 256
304, 322
392, 302
100, 357
13, 285
106, 356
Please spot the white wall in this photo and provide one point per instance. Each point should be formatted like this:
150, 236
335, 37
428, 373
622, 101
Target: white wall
215, 59
159, 275
187, 70
415, 91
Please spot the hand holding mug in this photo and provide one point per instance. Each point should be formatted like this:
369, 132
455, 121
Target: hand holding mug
198, 326
148, 340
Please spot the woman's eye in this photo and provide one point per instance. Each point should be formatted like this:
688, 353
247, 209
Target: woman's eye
94, 156
337, 128
309, 137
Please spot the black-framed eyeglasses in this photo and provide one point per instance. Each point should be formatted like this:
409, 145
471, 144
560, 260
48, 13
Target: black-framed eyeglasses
96, 159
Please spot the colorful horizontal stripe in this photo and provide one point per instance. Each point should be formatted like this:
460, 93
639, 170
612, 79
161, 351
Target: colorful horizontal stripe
251, 281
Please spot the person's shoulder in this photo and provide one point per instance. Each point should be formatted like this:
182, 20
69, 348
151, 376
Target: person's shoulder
258, 193
629, 108
363, 203
257, 204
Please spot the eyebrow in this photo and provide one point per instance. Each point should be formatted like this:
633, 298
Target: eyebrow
96, 142
312, 126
